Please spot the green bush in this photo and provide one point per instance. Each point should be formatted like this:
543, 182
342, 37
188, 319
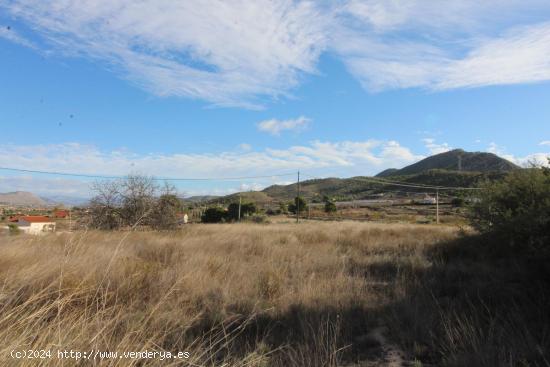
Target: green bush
330, 207
300, 203
258, 218
214, 215
246, 209
457, 202
517, 209
271, 211
13, 228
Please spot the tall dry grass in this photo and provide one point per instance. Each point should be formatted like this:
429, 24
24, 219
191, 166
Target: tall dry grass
229, 294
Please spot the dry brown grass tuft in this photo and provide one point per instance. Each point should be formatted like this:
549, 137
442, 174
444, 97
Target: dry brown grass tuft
239, 294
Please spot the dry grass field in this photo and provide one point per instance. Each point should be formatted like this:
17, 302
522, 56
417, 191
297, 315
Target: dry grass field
313, 294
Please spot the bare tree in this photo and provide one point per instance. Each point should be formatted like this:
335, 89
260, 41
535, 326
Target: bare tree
134, 200
138, 198
105, 206
167, 208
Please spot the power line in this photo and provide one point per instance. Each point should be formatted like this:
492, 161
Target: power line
153, 178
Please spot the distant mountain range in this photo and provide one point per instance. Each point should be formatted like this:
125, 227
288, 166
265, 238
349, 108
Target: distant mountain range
28, 199
22, 198
455, 168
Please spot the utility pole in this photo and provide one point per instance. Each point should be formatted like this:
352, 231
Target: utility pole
437, 206
240, 202
298, 199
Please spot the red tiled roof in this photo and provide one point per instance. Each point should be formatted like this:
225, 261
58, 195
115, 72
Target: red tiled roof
61, 213
36, 219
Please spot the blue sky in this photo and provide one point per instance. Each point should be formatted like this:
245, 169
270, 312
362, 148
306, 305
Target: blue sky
239, 89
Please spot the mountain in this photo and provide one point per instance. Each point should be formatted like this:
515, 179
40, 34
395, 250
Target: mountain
455, 160
257, 197
22, 198
62, 200
439, 170
387, 172
198, 199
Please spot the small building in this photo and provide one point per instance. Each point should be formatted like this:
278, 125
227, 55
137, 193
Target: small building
428, 200
35, 224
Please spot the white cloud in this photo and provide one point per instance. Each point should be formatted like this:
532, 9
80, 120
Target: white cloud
540, 158
275, 127
245, 147
10, 34
341, 158
228, 53
435, 148
545, 142
522, 55
445, 45
242, 52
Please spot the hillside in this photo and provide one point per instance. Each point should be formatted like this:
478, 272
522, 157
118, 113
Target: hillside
440, 169
455, 160
22, 198
198, 199
257, 197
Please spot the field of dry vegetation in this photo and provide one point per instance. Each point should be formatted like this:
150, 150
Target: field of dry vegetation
313, 294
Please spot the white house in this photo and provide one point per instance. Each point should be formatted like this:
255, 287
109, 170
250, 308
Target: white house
428, 200
35, 224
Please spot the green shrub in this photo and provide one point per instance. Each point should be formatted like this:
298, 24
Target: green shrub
271, 211
517, 209
330, 207
213, 215
246, 209
14, 228
300, 203
457, 202
258, 218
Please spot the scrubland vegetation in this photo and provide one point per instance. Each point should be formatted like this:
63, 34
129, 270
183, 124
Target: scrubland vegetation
286, 294
271, 295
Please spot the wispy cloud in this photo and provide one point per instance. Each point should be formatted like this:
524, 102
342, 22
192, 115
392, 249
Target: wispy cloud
545, 142
538, 158
275, 127
12, 35
435, 148
447, 45
242, 52
228, 53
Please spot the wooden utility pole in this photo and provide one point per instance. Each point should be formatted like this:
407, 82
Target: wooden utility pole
298, 199
437, 206
240, 203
